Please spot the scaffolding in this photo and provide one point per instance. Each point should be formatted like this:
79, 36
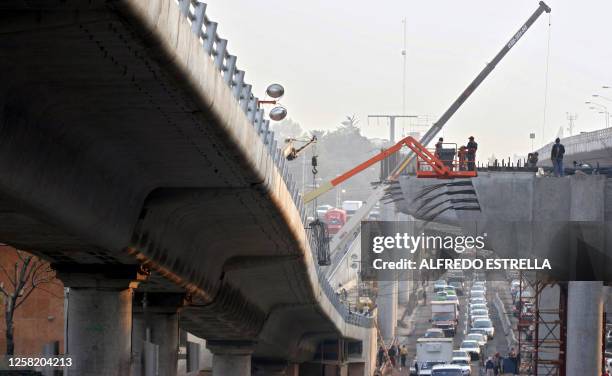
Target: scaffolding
541, 329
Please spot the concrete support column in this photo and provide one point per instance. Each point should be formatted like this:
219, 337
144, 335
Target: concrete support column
231, 357
404, 289
584, 328
155, 317
387, 309
585, 298
387, 291
99, 318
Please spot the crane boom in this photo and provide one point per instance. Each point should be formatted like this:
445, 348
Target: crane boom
437, 126
353, 223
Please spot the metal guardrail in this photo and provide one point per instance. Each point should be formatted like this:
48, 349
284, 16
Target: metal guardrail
216, 48
582, 143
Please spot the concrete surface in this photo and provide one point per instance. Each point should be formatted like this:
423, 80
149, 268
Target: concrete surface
120, 144
525, 215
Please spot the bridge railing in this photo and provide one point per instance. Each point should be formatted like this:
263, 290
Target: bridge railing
234, 78
582, 143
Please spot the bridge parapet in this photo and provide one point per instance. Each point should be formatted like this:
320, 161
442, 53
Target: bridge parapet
226, 63
585, 146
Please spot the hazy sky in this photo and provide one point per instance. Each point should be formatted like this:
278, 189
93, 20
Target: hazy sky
340, 57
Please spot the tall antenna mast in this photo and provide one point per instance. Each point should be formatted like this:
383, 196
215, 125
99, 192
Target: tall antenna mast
404, 76
570, 119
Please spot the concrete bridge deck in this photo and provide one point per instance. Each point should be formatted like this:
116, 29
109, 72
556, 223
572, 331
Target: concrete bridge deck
525, 215
131, 149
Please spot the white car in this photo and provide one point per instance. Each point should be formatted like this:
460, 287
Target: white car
471, 347
478, 314
485, 324
464, 363
447, 370
478, 301
476, 306
477, 294
481, 339
479, 331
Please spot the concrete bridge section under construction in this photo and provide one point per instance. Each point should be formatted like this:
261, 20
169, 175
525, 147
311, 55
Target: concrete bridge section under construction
134, 157
566, 220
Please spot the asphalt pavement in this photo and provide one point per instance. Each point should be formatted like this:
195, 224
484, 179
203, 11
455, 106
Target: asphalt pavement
418, 321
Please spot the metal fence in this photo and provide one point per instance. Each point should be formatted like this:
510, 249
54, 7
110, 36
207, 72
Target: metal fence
216, 48
582, 143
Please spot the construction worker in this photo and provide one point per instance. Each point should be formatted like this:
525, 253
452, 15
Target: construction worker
472, 146
462, 154
403, 356
532, 159
439, 147
556, 156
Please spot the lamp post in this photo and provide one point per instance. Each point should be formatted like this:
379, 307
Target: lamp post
602, 97
600, 106
275, 91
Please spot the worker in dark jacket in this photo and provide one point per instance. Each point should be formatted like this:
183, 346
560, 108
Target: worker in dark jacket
472, 146
556, 156
380, 356
439, 147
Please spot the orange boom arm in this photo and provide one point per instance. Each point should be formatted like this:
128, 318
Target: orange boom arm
438, 168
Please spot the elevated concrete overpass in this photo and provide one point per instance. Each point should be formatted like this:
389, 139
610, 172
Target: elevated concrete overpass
525, 215
133, 156
593, 147
567, 220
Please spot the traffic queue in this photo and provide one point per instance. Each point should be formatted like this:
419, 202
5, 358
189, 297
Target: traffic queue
437, 354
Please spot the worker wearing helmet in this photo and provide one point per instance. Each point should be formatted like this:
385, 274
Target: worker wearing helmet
472, 146
439, 147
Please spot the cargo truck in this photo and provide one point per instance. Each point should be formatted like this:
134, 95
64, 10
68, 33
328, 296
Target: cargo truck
431, 352
444, 316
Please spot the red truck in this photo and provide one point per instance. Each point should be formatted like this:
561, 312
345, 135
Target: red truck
335, 219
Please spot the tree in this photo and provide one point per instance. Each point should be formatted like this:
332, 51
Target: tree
287, 128
29, 273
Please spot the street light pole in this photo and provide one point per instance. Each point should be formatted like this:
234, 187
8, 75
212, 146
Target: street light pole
605, 111
602, 97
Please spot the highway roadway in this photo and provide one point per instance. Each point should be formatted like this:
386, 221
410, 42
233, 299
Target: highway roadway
422, 314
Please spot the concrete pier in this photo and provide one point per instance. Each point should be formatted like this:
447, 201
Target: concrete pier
387, 309
231, 357
387, 292
99, 318
155, 315
584, 328
99, 331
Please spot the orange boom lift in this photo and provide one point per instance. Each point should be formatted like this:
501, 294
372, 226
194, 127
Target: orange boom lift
428, 166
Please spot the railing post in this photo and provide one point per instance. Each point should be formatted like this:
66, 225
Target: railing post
238, 85
196, 26
210, 36
184, 7
230, 68
245, 98
220, 53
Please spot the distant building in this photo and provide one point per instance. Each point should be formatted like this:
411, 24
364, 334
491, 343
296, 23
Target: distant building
40, 319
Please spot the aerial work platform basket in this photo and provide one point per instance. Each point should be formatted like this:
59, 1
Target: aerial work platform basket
446, 162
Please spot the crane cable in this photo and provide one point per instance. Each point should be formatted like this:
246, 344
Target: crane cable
546, 78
